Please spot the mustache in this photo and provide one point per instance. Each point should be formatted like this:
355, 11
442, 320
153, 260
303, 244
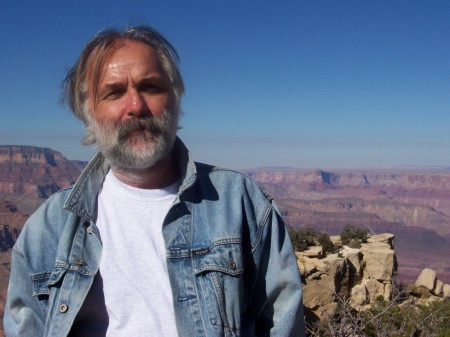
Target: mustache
153, 125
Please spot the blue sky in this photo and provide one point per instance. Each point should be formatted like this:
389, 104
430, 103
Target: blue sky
323, 84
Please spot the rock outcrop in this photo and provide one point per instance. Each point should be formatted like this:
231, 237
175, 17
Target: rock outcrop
429, 287
357, 275
427, 279
30, 174
29, 155
414, 206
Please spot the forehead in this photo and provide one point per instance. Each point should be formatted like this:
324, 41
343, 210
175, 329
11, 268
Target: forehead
131, 52
122, 52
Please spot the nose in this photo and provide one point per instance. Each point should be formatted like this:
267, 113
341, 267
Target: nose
136, 104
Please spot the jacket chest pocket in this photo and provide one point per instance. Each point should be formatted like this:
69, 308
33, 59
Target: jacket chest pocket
219, 273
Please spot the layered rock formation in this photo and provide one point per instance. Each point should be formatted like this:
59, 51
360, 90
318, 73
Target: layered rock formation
28, 176
413, 206
358, 275
414, 199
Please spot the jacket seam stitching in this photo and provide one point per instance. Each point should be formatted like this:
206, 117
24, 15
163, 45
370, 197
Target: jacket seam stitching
261, 226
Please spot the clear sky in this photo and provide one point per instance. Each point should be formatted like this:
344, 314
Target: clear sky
323, 84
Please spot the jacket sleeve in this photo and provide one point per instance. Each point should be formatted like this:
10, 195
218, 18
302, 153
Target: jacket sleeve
278, 289
24, 314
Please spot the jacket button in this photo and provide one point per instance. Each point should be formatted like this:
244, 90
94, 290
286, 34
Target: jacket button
79, 261
63, 308
232, 265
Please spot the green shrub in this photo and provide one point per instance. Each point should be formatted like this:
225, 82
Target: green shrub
306, 237
440, 310
421, 292
354, 243
386, 319
353, 232
325, 241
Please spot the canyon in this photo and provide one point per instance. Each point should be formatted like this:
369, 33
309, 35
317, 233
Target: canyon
413, 204
28, 176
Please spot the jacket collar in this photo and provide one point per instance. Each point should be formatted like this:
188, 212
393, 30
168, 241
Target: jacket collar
83, 197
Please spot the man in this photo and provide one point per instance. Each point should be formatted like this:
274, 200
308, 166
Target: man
148, 242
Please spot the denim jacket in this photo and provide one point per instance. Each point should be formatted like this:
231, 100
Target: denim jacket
230, 261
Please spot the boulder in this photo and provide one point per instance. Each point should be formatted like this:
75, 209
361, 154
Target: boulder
374, 289
325, 311
427, 279
356, 275
358, 296
446, 290
438, 287
376, 245
354, 258
380, 263
388, 290
306, 265
331, 278
336, 239
338, 268
318, 291
387, 238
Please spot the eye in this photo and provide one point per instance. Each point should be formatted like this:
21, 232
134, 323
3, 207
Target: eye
151, 88
113, 94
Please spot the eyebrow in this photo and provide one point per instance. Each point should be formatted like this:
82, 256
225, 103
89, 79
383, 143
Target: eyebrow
108, 87
149, 79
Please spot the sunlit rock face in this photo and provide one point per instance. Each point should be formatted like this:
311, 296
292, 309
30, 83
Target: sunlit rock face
412, 205
357, 275
29, 175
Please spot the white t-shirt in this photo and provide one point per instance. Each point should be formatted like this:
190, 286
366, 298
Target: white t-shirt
136, 285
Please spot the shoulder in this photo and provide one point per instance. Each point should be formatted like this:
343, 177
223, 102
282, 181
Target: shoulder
53, 206
229, 178
231, 199
47, 221
234, 190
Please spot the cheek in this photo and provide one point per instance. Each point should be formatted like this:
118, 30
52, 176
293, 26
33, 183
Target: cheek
158, 104
111, 111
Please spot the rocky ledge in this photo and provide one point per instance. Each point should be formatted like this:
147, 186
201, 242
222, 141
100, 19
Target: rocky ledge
29, 154
359, 276
29, 175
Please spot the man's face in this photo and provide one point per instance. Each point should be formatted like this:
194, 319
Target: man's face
134, 116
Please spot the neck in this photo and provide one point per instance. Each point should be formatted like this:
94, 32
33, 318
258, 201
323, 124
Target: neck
161, 175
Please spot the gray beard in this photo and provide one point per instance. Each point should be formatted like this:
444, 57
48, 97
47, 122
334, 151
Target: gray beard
154, 135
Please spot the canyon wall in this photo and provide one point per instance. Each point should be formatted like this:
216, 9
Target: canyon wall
415, 206
412, 205
28, 176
